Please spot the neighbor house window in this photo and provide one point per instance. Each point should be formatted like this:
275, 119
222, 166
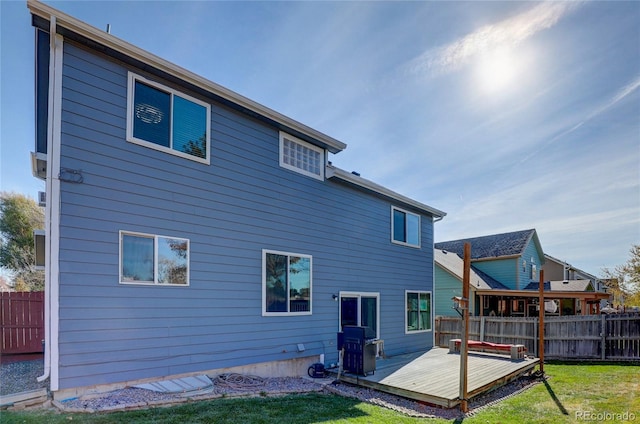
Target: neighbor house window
152, 259
165, 119
301, 156
405, 227
418, 311
286, 280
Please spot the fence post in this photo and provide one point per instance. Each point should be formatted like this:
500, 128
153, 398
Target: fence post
482, 328
536, 336
603, 336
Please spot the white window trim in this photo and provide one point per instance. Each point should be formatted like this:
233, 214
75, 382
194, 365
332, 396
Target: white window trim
406, 324
264, 284
132, 78
310, 146
402, 243
155, 260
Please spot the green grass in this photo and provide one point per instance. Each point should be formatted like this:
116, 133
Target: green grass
570, 394
597, 389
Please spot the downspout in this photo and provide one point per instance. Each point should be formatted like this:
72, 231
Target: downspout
52, 210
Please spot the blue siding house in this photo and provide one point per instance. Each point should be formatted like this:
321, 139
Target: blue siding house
505, 278
192, 230
508, 261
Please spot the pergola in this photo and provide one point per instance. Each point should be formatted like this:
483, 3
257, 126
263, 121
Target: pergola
519, 302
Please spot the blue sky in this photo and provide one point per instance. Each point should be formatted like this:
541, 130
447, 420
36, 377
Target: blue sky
505, 115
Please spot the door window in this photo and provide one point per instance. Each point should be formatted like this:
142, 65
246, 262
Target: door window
360, 309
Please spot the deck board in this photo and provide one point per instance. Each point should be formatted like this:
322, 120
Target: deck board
434, 376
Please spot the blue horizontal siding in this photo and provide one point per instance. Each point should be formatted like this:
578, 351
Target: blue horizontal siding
530, 252
502, 270
230, 210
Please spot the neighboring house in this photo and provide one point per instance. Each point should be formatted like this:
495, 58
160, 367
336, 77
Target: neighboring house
558, 270
505, 278
448, 276
571, 297
190, 229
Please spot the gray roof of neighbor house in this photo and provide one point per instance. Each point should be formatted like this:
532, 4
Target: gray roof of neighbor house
452, 263
566, 286
491, 246
571, 267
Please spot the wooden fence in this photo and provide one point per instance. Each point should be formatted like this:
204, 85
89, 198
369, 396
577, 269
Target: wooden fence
21, 322
597, 337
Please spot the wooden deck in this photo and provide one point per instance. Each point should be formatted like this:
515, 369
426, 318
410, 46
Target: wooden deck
434, 376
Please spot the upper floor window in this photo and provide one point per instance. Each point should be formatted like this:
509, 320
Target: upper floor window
534, 270
286, 280
405, 227
151, 259
165, 119
301, 156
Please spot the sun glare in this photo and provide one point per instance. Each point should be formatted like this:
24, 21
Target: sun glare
497, 71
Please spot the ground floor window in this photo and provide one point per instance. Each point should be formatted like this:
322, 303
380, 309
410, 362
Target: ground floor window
418, 311
153, 259
286, 282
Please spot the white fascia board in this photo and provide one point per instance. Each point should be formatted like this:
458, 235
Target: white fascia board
341, 174
110, 41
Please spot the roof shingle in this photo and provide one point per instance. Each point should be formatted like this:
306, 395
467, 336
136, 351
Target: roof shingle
492, 246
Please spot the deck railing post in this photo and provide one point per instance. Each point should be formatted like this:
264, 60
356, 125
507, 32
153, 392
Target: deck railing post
466, 277
534, 336
541, 324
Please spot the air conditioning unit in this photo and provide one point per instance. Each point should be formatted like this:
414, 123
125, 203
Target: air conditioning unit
42, 198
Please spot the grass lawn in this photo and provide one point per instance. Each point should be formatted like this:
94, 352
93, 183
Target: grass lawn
574, 393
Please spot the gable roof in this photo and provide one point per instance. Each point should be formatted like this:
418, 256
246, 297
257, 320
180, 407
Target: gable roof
564, 286
495, 245
571, 267
452, 263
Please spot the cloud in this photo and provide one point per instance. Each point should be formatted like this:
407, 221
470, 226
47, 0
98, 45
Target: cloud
560, 206
617, 98
509, 32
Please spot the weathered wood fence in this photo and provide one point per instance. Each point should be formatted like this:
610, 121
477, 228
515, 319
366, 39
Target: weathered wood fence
21, 322
597, 337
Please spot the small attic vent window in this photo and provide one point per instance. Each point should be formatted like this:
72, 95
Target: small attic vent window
301, 157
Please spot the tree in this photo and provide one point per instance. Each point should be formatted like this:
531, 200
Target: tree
19, 216
624, 280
